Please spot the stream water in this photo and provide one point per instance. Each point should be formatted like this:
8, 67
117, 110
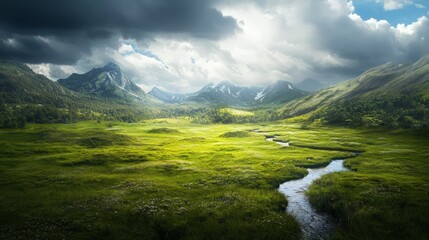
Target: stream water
284, 144
314, 225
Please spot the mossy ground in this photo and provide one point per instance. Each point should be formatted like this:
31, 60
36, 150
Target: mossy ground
98, 181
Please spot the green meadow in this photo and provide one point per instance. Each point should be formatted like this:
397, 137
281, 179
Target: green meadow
171, 179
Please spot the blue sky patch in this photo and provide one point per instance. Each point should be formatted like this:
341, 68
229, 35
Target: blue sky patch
408, 14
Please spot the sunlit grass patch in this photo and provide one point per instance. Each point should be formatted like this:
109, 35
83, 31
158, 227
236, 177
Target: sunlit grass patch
237, 112
236, 134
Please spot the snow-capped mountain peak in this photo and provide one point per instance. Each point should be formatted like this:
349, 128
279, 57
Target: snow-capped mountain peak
227, 93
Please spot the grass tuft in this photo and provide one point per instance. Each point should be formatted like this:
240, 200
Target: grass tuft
237, 134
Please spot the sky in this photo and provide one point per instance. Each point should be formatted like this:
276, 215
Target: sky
395, 12
182, 45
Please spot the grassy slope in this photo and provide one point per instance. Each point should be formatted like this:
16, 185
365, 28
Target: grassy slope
87, 180
386, 80
20, 84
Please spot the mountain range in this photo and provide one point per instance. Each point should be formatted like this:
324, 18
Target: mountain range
226, 93
167, 97
111, 82
19, 84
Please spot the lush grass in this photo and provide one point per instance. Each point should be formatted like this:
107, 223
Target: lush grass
93, 181
145, 181
385, 196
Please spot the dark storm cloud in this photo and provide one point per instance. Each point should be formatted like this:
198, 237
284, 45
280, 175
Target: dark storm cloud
64, 49
70, 28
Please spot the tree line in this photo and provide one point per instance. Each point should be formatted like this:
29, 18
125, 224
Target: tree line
404, 111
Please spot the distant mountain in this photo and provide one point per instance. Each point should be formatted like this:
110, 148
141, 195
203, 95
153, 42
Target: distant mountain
167, 97
311, 85
279, 92
226, 93
108, 82
391, 94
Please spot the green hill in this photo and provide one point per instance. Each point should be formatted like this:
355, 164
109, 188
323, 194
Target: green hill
20, 85
392, 95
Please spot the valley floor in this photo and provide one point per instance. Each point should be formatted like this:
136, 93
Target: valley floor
169, 179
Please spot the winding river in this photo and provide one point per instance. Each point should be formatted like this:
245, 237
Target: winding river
315, 225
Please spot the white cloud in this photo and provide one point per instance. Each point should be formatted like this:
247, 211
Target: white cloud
394, 4
126, 49
52, 71
413, 27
